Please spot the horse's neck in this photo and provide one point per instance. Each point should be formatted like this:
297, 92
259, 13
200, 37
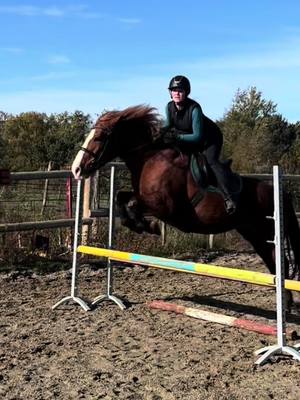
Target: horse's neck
136, 161
135, 166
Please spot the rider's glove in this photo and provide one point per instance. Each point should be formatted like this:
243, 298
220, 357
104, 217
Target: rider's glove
170, 136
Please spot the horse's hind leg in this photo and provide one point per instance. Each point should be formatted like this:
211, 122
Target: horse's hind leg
266, 251
259, 242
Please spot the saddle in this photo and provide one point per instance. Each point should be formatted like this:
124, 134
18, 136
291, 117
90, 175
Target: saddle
206, 181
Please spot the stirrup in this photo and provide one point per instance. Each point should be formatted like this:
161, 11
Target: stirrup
230, 206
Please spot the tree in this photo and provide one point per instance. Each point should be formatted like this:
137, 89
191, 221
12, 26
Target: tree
34, 139
24, 135
255, 135
3, 143
290, 161
66, 132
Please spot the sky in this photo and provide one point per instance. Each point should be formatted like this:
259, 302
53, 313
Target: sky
97, 55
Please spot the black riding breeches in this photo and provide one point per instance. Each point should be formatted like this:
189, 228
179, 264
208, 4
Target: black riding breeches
212, 153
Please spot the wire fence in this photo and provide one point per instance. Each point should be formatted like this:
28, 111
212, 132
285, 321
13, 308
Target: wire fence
40, 201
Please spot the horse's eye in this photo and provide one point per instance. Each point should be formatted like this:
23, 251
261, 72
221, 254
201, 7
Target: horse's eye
100, 140
103, 137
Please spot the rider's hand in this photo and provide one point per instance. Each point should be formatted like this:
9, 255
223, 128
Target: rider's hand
170, 136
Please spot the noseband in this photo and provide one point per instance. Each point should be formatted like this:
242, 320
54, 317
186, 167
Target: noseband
97, 158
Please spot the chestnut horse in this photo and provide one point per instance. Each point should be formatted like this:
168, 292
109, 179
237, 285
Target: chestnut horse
163, 186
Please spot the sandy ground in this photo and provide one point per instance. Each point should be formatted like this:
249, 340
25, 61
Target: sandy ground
138, 353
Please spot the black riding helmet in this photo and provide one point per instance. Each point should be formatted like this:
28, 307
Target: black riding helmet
180, 82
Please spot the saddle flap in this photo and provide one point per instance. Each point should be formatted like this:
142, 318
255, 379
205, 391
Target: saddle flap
199, 169
203, 175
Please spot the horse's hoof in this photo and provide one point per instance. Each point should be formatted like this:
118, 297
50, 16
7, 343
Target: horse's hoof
154, 228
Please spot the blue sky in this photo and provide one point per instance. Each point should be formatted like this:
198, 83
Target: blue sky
72, 55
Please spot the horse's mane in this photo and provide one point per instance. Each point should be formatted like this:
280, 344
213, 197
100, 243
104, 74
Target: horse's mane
140, 115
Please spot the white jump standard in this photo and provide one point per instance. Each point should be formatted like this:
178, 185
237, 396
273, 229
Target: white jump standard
281, 347
77, 236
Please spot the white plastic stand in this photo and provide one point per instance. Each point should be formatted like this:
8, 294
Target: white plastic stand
111, 226
77, 236
281, 346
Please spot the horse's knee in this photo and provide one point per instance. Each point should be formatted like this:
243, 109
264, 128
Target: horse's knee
123, 197
154, 227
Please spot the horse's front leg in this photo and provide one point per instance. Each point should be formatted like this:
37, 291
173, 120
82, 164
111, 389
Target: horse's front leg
122, 200
131, 214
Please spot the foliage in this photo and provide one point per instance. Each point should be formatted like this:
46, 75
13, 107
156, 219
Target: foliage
66, 132
34, 139
255, 135
291, 159
3, 143
24, 135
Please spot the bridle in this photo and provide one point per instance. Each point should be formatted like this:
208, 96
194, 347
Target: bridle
97, 158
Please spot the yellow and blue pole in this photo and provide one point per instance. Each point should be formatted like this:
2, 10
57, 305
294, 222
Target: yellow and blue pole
257, 278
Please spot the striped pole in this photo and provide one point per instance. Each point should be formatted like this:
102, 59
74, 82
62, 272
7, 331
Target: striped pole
246, 324
257, 278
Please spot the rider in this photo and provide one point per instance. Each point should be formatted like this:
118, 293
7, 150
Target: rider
186, 124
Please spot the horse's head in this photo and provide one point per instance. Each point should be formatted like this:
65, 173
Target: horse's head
116, 133
96, 150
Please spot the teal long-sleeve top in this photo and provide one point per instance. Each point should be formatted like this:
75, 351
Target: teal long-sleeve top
196, 136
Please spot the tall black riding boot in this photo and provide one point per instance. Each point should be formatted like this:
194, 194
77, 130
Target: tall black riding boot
222, 182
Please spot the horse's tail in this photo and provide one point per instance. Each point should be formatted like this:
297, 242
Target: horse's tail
292, 231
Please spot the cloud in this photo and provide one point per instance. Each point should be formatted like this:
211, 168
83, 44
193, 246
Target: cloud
33, 11
271, 56
214, 92
273, 69
54, 12
130, 21
12, 50
79, 11
53, 76
41, 80
56, 101
20, 10
58, 59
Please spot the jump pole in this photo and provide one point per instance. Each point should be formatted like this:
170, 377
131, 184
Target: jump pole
222, 319
213, 271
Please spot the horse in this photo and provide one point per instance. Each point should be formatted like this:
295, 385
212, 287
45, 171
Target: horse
164, 187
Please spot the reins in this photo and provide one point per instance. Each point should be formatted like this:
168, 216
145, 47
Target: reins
97, 157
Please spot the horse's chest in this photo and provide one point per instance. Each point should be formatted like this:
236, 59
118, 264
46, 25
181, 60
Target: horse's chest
153, 178
150, 184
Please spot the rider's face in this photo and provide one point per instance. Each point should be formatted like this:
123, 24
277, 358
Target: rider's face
178, 95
